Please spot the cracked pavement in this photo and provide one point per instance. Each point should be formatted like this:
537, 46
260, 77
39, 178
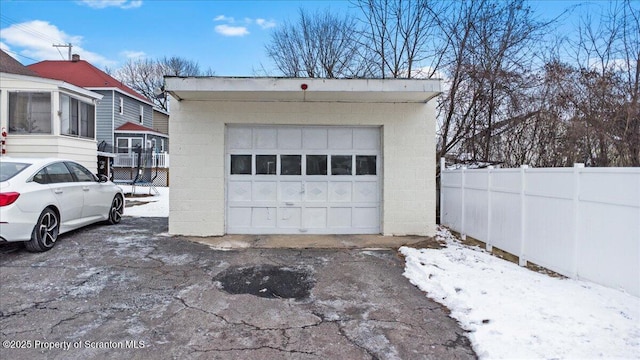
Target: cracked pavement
132, 291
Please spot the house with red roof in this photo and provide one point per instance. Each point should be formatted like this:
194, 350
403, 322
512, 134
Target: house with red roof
124, 118
45, 117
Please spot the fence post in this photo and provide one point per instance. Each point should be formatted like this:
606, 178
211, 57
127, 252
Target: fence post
463, 184
576, 217
488, 244
522, 260
443, 166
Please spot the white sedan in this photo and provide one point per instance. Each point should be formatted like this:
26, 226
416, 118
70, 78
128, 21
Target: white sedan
43, 198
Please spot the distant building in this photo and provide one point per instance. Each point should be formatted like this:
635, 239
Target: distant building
46, 117
121, 108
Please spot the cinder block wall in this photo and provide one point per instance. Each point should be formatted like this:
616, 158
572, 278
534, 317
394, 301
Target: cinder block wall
197, 128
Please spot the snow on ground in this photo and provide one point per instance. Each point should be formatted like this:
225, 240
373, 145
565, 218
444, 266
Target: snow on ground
510, 311
514, 313
146, 206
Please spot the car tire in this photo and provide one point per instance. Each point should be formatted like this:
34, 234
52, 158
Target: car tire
116, 210
45, 233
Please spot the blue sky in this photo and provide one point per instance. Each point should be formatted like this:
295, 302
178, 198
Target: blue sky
228, 37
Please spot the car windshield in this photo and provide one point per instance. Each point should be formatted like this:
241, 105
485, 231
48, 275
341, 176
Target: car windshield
10, 169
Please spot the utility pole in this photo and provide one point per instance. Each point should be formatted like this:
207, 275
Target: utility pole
65, 45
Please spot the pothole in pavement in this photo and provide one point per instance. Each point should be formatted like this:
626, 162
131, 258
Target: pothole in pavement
267, 281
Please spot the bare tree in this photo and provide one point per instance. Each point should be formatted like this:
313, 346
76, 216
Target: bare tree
146, 76
402, 36
321, 44
507, 97
177, 66
142, 75
599, 89
587, 109
489, 62
608, 55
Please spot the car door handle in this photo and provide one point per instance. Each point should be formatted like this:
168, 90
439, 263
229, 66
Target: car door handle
58, 191
85, 188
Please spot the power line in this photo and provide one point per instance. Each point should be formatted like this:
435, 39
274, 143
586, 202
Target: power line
15, 53
29, 30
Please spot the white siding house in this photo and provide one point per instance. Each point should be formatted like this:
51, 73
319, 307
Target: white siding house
302, 156
48, 118
120, 106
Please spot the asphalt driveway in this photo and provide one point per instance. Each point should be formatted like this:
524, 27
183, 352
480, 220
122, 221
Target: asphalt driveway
131, 291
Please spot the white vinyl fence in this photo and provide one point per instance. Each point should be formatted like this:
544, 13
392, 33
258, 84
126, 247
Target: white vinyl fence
580, 222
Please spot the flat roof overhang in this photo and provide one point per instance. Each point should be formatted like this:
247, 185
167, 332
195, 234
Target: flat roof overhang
302, 89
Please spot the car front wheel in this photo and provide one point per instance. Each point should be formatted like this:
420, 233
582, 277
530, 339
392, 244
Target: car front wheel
117, 207
45, 233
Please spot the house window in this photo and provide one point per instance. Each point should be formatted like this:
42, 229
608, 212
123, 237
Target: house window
128, 145
77, 118
123, 146
30, 112
141, 114
121, 106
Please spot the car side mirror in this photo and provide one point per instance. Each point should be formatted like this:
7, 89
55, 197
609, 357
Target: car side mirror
102, 178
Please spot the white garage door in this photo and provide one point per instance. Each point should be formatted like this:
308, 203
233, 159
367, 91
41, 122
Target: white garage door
294, 179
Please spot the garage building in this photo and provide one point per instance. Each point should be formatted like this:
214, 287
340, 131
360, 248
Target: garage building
302, 156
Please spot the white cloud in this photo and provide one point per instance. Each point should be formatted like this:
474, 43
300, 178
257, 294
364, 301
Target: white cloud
35, 39
265, 24
224, 18
123, 4
227, 30
130, 54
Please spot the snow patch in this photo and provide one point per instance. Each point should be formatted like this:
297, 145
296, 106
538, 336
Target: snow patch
146, 206
512, 312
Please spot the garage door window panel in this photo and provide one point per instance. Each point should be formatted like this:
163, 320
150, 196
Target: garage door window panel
341, 164
240, 164
266, 164
366, 165
316, 164
290, 164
